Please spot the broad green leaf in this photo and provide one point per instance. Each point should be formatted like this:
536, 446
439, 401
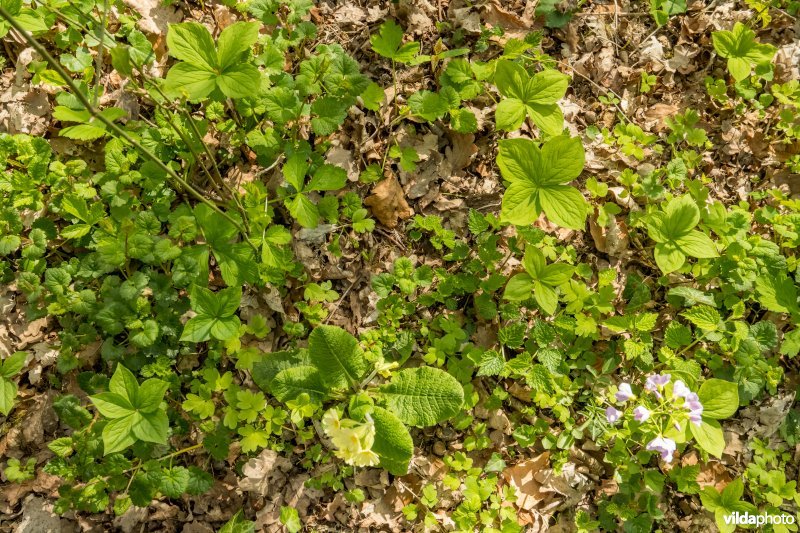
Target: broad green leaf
8, 393
288, 384
174, 481
704, 317
546, 297
234, 41
239, 81
777, 293
112, 405
151, 427
12, 365
537, 178
117, 434
337, 355
191, 42
720, 398
393, 443
423, 396
295, 170
236, 263
509, 114
388, 42
668, 257
193, 82
327, 178
428, 105
709, 436
124, 383
265, 370
518, 288
697, 244
151, 392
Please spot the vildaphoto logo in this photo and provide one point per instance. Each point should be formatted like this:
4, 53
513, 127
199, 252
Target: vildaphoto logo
748, 519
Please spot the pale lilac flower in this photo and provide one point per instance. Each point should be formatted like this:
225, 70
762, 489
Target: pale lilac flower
613, 414
680, 390
666, 447
641, 413
696, 416
656, 382
624, 393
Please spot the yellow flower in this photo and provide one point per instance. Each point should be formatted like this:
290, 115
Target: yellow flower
353, 441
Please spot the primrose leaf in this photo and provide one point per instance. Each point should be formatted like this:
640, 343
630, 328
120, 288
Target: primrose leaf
423, 396
393, 442
291, 382
337, 355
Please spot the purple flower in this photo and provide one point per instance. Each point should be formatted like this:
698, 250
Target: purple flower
613, 414
664, 446
680, 390
696, 416
624, 393
641, 413
656, 382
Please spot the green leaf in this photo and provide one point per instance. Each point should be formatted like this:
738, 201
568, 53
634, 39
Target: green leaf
327, 178
13, 364
8, 393
509, 114
304, 211
151, 392
330, 114
288, 384
124, 384
423, 396
239, 81
185, 79
117, 434
112, 405
518, 288
234, 41
668, 257
393, 442
428, 105
191, 42
709, 436
720, 398
174, 481
151, 427
777, 293
537, 178
388, 43
215, 314
337, 355
704, 317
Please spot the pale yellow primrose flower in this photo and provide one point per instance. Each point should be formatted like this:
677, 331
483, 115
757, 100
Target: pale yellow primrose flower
352, 440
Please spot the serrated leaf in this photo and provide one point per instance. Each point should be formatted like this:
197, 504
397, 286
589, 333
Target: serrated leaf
388, 42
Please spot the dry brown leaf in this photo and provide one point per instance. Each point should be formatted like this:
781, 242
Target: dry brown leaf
522, 477
462, 148
611, 239
263, 471
155, 16
388, 203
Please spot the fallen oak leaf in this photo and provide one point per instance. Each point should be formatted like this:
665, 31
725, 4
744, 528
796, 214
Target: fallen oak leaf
388, 202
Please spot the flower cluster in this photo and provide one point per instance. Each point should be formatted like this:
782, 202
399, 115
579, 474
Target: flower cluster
665, 404
353, 440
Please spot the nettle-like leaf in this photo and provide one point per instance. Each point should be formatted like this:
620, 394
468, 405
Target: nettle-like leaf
534, 96
540, 279
423, 396
673, 230
216, 314
388, 42
206, 68
740, 48
134, 411
538, 179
